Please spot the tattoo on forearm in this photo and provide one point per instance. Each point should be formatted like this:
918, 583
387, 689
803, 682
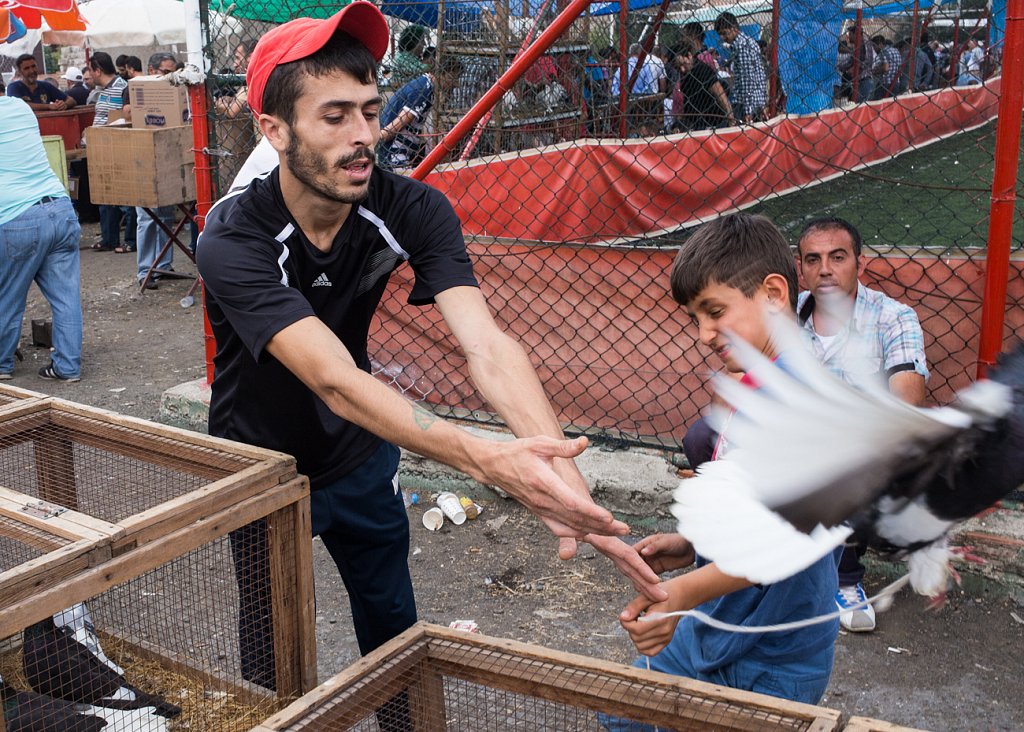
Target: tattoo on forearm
423, 418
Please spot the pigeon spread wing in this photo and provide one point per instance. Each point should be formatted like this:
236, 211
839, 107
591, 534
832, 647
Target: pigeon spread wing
806, 452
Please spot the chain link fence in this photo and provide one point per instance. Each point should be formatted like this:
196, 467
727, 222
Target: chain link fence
638, 125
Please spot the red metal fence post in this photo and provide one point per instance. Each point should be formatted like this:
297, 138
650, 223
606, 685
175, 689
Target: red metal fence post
773, 60
204, 194
1004, 189
503, 84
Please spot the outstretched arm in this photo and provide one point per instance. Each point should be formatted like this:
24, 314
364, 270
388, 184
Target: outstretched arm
524, 468
685, 592
506, 378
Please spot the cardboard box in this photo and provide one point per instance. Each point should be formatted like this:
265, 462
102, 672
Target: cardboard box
156, 103
140, 167
73, 187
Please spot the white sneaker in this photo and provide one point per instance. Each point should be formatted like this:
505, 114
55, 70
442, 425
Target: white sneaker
853, 618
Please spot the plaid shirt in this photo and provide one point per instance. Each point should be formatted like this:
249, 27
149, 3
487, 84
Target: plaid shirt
749, 82
883, 337
891, 57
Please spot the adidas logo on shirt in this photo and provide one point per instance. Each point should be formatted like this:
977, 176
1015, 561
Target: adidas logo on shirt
322, 281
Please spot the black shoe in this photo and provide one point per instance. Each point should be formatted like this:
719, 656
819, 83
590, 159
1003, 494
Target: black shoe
49, 372
152, 285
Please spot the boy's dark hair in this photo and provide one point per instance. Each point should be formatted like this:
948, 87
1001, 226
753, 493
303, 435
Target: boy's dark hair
22, 59
738, 250
832, 223
119, 61
694, 30
726, 20
101, 62
134, 63
412, 36
342, 53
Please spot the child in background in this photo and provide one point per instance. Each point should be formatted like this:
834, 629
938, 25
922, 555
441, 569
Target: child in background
736, 277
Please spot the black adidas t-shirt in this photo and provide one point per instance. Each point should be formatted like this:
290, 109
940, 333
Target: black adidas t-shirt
261, 275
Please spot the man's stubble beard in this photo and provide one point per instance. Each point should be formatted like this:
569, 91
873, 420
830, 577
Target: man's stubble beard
311, 169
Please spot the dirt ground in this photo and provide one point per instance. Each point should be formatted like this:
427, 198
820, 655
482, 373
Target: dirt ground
956, 669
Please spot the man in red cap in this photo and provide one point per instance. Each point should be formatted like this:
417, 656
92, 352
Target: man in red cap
294, 266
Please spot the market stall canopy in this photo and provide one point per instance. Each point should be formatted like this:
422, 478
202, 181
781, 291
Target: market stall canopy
133, 23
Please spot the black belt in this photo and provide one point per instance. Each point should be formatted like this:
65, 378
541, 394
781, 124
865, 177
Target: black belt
45, 199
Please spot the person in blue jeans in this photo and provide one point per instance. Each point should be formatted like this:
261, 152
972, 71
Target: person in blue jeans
39, 238
735, 277
148, 241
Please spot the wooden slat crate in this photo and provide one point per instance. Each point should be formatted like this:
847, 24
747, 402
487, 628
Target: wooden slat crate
864, 724
142, 522
432, 679
13, 395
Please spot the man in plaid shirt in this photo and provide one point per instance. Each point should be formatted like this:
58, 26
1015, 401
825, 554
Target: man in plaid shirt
860, 335
888, 63
749, 93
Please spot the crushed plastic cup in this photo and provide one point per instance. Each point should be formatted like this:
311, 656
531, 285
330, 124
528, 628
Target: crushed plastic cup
433, 519
449, 503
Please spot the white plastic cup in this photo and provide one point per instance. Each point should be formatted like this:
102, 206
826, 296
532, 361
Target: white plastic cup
449, 503
433, 519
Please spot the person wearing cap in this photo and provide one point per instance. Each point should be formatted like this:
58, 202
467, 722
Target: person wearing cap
294, 265
39, 94
76, 85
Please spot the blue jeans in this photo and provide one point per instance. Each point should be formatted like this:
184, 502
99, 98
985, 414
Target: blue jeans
110, 226
150, 238
42, 245
865, 88
131, 223
801, 681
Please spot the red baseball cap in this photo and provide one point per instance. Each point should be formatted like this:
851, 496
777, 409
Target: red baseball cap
303, 37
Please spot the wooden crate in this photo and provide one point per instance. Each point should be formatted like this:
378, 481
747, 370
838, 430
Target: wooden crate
863, 724
13, 395
463, 681
135, 519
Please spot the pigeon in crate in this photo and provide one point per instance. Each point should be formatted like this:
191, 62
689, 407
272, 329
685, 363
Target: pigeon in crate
58, 665
27, 711
812, 459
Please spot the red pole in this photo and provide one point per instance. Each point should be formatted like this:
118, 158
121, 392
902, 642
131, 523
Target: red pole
858, 43
204, 194
773, 60
648, 43
623, 66
915, 42
1004, 189
502, 85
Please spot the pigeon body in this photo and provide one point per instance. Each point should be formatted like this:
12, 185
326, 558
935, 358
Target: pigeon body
27, 711
57, 665
817, 452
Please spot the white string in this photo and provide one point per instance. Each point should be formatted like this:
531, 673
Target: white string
885, 592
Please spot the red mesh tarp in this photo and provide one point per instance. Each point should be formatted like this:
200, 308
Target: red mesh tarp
592, 191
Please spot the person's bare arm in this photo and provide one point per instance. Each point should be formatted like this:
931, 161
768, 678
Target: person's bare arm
723, 101
908, 386
390, 131
505, 377
522, 467
685, 592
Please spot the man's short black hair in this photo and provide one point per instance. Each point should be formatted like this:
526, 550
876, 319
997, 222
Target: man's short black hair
694, 30
412, 36
22, 59
726, 20
342, 53
119, 61
101, 62
739, 250
832, 223
134, 63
